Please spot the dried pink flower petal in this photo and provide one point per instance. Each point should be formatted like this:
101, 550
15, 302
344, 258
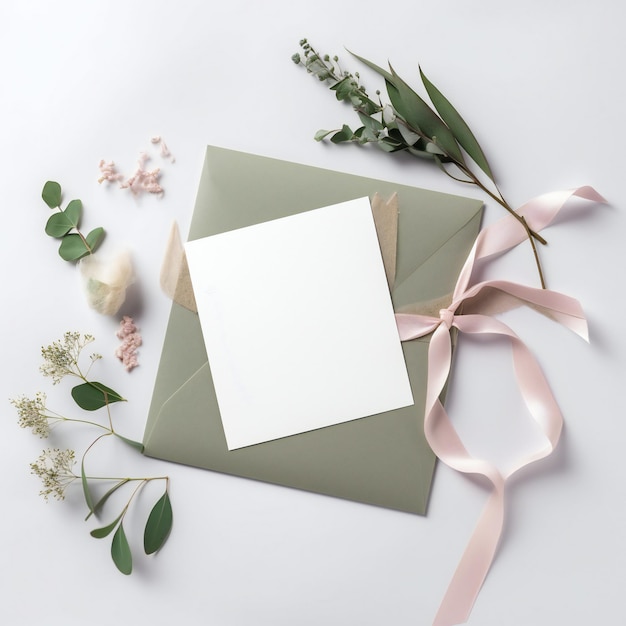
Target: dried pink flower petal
143, 180
131, 340
109, 173
165, 152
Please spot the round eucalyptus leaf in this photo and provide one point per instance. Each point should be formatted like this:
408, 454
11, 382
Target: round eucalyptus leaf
51, 194
73, 212
73, 248
58, 225
94, 238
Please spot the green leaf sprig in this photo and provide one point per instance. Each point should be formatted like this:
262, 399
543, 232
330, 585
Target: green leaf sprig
55, 466
64, 225
409, 124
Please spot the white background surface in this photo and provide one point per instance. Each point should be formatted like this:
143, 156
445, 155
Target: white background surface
542, 85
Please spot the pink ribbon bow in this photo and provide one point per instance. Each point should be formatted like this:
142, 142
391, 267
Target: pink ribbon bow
463, 314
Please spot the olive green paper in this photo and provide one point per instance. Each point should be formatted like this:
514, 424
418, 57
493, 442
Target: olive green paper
382, 459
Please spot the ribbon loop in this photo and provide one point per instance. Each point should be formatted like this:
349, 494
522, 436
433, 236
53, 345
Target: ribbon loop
440, 433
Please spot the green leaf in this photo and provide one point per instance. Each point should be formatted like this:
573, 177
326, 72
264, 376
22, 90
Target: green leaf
370, 123
345, 134
58, 225
86, 492
61, 223
135, 444
158, 525
73, 247
73, 212
92, 396
98, 505
344, 88
415, 111
457, 125
105, 531
384, 73
409, 136
94, 238
120, 551
51, 194
390, 145
321, 134
421, 117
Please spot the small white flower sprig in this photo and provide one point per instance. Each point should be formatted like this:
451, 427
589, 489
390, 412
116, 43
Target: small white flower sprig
55, 466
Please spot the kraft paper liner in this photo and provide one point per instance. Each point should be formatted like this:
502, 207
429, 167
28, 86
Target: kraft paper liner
176, 281
175, 278
386, 222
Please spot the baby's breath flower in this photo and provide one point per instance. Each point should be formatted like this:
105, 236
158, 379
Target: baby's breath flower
32, 413
61, 357
54, 467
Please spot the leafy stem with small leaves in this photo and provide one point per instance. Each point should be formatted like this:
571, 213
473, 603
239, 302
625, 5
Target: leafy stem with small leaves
55, 466
410, 125
64, 225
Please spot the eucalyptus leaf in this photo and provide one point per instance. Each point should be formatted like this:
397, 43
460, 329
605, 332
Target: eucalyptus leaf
370, 122
345, 134
159, 525
73, 247
86, 492
94, 238
61, 223
384, 73
73, 212
105, 531
389, 146
92, 396
51, 194
120, 551
409, 136
457, 125
98, 505
343, 88
58, 225
421, 117
423, 154
135, 444
321, 134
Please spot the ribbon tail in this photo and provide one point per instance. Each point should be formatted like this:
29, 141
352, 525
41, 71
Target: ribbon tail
475, 563
470, 574
447, 445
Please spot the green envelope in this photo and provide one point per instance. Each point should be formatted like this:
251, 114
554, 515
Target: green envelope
383, 459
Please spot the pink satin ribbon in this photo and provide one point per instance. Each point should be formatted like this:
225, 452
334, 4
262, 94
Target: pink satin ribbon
503, 235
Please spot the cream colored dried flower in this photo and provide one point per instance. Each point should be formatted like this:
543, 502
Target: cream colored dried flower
32, 414
54, 467
61, 357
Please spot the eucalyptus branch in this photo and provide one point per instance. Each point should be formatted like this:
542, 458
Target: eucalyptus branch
409, 124
64, 225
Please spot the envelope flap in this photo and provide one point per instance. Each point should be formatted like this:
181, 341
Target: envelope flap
259, 187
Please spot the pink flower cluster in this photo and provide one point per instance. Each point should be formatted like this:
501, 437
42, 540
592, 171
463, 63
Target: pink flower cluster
142, 179
131, 340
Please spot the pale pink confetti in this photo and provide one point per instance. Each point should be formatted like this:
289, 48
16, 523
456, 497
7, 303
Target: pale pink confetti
108, 171
142, 179
131, 340
165, 151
